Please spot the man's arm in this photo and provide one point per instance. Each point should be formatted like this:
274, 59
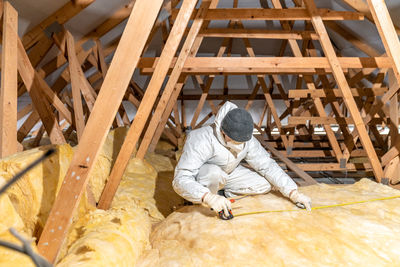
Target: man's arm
261, 161
196, 151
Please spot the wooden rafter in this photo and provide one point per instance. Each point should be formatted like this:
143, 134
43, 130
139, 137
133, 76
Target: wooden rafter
132, 42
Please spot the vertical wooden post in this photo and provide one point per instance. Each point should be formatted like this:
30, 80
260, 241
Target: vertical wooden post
136, 32
348, 98
9, 83
147, 102
75, 85
391, 42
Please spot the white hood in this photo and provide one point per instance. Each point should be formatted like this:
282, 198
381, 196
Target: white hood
228, 106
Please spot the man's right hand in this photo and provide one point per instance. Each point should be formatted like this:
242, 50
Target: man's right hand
218, 203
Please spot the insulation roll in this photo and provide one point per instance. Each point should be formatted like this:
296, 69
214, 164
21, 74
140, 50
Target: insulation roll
359, 234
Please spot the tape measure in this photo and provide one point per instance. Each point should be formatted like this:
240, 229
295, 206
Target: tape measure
319, 207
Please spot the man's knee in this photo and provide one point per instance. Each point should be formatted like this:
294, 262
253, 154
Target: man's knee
262, 188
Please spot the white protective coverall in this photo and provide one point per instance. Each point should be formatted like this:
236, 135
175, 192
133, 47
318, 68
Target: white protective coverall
208, 165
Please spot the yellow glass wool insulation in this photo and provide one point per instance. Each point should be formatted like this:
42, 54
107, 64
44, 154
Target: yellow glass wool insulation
118, 236
33, 195
109, 238
11, 258
137, 188
9, 219
364, 234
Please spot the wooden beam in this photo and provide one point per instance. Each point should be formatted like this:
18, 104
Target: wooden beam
362, 7
27, 126
112, 21
34, 84
61, 16
258, 34
294, 120
173, 87
389, 38
307, 178
74, 68
9, 83
258, 65
132, 42
344, 87
318, 167
275, 14
357, 92
147, 103
155, 136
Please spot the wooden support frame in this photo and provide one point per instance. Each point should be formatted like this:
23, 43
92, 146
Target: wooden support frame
307, 178
344, 87
118, 76
147, 103
61, 16
34, 84
276, 14
173, 87
9, 82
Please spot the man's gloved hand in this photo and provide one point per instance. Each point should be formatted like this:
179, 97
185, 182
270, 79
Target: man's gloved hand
218, 203
300, 200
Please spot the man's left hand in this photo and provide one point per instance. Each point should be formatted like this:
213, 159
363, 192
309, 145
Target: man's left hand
299, 198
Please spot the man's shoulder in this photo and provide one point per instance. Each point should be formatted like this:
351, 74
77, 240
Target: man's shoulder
204, 133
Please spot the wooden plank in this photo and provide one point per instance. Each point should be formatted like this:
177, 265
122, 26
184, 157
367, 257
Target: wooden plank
307, 178
344, 87
102, 63
37, 53
310, 85
220, 65
110, 23
389, 38
201, 102
276, 14
74, 68
132, 42
147, 103
27, 126
271, 105
9, 83
258, 34
24, 111
354, 40
178, 87
294, 120
173, 86
391, 43
362, 7
34, 84
62, 15
321, 93
318, 167
393, 110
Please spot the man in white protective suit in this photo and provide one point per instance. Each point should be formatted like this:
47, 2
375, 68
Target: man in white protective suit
209, 170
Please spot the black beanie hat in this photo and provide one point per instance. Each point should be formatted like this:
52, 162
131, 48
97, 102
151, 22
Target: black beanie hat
238, 125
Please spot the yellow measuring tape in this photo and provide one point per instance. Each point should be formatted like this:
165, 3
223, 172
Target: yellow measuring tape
319, 207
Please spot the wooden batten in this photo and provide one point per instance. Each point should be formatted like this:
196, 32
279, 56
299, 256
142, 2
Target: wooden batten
9, 82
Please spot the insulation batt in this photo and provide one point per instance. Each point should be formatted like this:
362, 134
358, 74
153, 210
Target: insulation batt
11, 219
365, 234
97, 238
117, 237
